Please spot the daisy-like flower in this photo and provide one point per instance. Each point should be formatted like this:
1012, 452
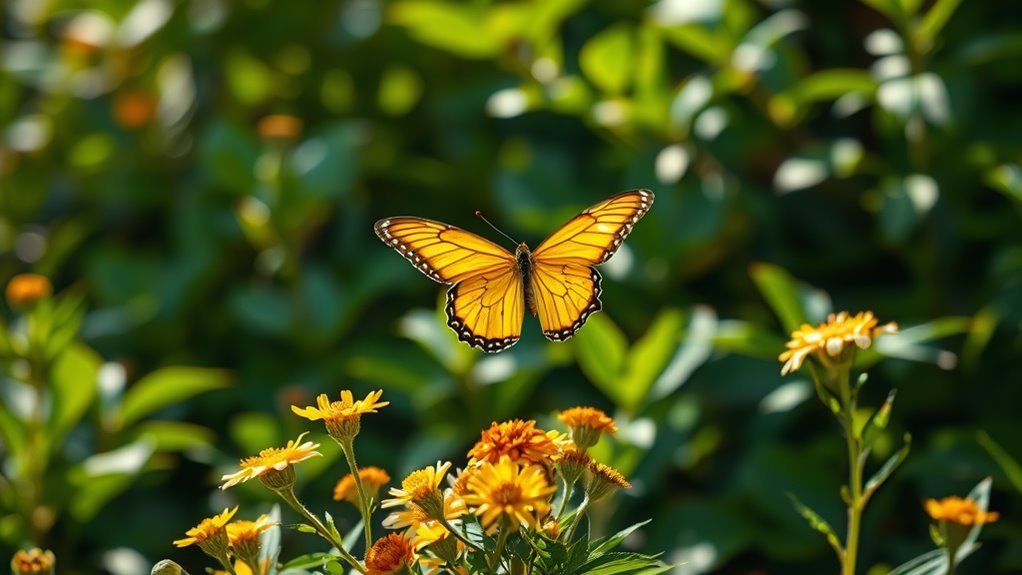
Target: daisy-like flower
518, 440
390, 555
32, 562
210, 534
518, 493
587, 424
343, 419
960, 511
373, 478
831, 338
411, 515
27, 288
273, 466
421, 489
602, 480
243, 537
440, 542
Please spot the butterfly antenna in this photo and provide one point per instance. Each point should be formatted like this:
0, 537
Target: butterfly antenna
480, 215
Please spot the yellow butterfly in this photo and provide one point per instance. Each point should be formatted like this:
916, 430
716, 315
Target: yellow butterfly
490, 286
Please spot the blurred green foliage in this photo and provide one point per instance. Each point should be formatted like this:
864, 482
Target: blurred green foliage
205, 175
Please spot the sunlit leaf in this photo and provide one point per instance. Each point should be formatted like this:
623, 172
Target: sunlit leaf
816, 522
167, 386
608, 58
74, 385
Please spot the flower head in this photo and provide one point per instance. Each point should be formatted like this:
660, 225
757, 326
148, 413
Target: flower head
830, 338
210, 534
518, 440
373, 478
602, 480
390, 555
273, 466
243, 537
958, 510
587, 424
571, 464
342, 418
27, 288
32, 562
516, 492
412, 515
421, 489
280, 127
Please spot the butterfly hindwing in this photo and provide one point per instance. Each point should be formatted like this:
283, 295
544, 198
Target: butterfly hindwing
444, 253
595, 234
564, 296
487, 310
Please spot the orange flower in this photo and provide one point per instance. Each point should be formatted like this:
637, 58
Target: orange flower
830, 338
280, 126
27, 288
390, 555
958, 510
603, 480
587, 424
32, 562
373, 478
134, 109
518, 440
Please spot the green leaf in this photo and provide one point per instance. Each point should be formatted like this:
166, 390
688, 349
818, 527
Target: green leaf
907, 344
607, 59
167, 386
747, 338
601, 546
888, 468
467, 30
781, 292
878, 421
175, 435
816, 522
981, 495
710, 46
601, 349
789, 106
929, 563
73, 384
934, 21
308, 561
1009, 465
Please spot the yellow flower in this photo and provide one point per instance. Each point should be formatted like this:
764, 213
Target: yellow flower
518, 440
517, 492
32, 561
390, 555
829, 339
273, 466
958, 510
342, 418
411, 516
373, 478
210, 534
243, 537
27, 288
602, 480
587, 424
421, 489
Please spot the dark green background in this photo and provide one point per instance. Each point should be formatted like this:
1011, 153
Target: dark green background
880, 167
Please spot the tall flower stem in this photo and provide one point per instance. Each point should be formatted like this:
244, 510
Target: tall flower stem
499, 548
564, 500
348, 447
578, 518
855, 461
288, 495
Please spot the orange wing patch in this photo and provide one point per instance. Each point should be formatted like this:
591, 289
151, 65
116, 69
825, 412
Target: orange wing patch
486, 310
444, 253
565, 295
595, 234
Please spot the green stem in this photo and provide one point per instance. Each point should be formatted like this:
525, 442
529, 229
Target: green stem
855, 460
226, 562
348, 447
447, 525
288, 495
499, 548
578, 518
564, 500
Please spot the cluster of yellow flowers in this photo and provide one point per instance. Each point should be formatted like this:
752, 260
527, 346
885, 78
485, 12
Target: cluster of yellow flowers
508, 484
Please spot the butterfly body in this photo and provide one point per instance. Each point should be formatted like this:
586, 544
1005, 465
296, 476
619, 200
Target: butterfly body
491, 287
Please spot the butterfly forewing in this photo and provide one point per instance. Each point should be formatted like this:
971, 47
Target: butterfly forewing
487, 310
444, 253
595, 234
